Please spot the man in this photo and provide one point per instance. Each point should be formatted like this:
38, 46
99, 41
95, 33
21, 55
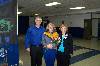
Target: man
33, 43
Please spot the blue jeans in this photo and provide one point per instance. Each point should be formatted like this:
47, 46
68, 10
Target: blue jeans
49, 56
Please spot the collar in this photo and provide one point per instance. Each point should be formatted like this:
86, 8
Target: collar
37, 28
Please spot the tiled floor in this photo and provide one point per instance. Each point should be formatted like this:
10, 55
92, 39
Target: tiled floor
86, 53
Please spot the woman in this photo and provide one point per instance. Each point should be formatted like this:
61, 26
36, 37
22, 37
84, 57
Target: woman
65, 47
49, 46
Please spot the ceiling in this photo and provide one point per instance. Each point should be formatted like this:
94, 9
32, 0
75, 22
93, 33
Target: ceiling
30, 7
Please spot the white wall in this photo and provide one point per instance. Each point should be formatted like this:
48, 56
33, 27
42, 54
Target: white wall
96, 16
57, 20
95, 25
78, 20
71, 20
75, 20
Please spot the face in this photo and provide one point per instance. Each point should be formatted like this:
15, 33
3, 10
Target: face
50, 28
38, 21
64, 29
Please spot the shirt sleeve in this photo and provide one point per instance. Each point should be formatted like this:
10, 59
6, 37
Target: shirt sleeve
71, 45
43, 30
27, 39
44, 40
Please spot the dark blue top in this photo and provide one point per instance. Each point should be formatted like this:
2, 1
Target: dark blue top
46, 40
34, 36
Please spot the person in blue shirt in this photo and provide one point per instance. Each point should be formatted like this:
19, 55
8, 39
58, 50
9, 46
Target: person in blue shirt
65, 47
33, 41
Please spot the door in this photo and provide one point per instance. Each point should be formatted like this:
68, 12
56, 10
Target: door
23, 24
99, 28
87, 28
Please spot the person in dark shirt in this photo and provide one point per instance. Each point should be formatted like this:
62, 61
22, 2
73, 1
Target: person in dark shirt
33, 43
65, 47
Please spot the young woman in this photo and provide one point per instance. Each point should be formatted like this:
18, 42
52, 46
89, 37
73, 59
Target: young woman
65, 47
49, 46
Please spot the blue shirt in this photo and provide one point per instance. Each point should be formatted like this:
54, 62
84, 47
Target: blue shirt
61, 47
34, 36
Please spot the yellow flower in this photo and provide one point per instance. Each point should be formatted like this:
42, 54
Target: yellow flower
48, 34
55, 35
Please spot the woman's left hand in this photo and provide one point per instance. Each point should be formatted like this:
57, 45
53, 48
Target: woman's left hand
49, 46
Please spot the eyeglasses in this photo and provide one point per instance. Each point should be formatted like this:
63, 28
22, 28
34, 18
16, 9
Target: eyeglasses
38, 20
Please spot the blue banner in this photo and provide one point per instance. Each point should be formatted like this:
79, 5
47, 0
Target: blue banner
9, 53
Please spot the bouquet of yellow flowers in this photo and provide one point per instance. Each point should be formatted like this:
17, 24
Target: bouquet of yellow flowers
54, 36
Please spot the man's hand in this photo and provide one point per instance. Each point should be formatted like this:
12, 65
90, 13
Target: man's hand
28, 49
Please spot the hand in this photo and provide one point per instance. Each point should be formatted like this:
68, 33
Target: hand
56, 38
28, 49
49, 46
44, 46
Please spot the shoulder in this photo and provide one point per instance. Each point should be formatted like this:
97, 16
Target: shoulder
30, 28
44, 35
70, 35
67, 36
43, 28
60, 34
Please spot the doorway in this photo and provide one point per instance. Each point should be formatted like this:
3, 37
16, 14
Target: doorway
87, 28
99, 28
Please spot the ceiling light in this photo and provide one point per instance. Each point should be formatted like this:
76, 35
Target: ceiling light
78, 8
48, 5
19, 12
36, 14
51, 4
55, 3
75, 8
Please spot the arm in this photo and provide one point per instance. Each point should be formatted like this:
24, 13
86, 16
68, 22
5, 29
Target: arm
45, 42
71, 44
27, 40
68, 43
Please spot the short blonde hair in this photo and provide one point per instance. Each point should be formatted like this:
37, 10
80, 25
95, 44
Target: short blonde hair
47, 28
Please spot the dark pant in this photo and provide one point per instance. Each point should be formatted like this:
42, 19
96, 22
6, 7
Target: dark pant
36, 55
49, 56
63, 59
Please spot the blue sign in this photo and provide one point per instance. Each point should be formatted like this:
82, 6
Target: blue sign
3, 2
